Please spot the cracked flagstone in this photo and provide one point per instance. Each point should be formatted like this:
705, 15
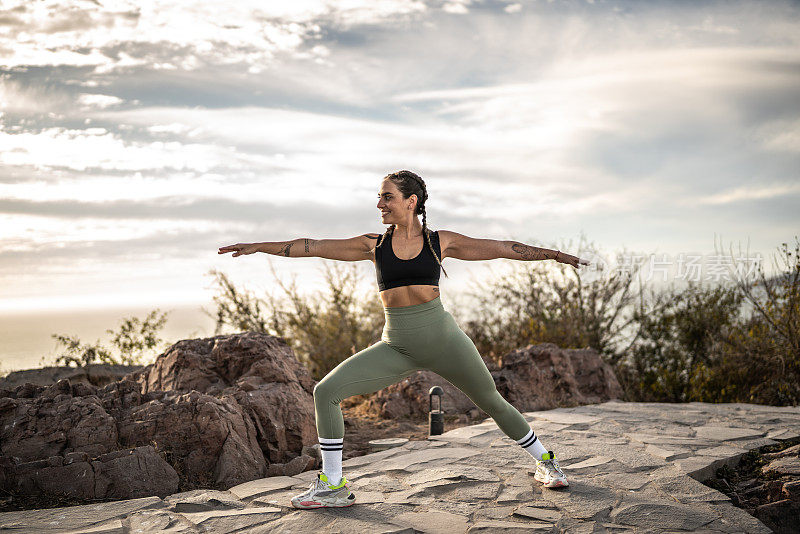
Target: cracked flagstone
632, 467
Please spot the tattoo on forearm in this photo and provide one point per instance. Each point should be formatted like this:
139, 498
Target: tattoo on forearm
306, 241
286, 249
528, 252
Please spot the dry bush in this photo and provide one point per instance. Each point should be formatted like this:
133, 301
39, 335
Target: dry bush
322, 330
732, 342
542, 302
677, 335
758, 358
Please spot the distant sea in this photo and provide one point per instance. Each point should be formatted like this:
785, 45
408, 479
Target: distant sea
26, 337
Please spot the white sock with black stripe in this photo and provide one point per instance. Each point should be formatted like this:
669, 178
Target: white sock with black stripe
532, 444
332, 458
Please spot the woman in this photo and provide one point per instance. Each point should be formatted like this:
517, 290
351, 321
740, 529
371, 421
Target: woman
418, 333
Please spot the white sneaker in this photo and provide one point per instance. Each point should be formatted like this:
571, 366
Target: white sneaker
549, 473
321, 494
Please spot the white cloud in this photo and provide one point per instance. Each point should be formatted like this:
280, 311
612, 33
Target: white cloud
55, 32
96, 148
637, 96
458, 8
782, 135
709, 25
16, 97
95, 100
748, 193
39, 233
172, 128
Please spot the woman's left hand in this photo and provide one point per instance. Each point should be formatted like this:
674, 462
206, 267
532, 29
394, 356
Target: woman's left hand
571, 260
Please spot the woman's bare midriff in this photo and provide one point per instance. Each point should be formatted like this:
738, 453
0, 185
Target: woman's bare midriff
396, 297
408, 295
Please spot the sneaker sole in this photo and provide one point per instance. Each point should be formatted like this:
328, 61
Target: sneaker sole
300, 505
553, 484
323, 506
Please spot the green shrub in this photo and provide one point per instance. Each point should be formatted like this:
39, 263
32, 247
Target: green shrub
547, 302
134, 341
758, 357
677, 334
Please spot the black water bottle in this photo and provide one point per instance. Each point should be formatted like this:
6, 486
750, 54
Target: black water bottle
435, 417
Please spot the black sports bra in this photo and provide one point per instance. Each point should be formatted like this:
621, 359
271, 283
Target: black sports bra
421, 270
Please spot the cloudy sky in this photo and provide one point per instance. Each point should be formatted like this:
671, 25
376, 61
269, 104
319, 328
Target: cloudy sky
136, 138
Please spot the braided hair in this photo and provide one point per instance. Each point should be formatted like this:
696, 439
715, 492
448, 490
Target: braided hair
409, 184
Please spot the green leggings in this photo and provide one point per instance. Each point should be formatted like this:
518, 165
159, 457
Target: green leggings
422, 336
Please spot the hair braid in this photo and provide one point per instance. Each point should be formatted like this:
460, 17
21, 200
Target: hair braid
380, 241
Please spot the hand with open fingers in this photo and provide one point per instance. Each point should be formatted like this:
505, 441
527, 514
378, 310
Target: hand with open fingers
571, 260
240, 249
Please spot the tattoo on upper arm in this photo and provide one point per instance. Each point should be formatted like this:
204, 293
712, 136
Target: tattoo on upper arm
528, 252
307, 241
286, 249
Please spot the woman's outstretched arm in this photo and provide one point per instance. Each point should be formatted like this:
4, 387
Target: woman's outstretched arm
468, 248
520, 251
291, 248
352, 249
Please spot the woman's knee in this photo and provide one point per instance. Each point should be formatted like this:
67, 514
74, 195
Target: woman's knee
325, 391
492, 402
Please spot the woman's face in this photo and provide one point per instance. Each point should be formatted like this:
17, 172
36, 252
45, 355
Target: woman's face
391, 203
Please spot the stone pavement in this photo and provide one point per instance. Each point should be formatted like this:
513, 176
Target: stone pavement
633, 467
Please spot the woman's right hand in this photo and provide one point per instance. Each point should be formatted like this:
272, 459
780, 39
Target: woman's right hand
240, 249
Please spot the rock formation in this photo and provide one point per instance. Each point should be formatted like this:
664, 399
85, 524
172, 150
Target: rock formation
96, 374
545, 376
210, 412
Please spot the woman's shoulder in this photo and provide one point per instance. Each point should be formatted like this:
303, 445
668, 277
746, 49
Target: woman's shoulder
373, 238
445, 238
444, 234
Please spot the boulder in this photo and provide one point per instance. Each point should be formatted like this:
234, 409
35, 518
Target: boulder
257, 371
409, 398
122, 474
537, 377
215, 412
96, 374
210, 441
545, 376
781, 516
37, 422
